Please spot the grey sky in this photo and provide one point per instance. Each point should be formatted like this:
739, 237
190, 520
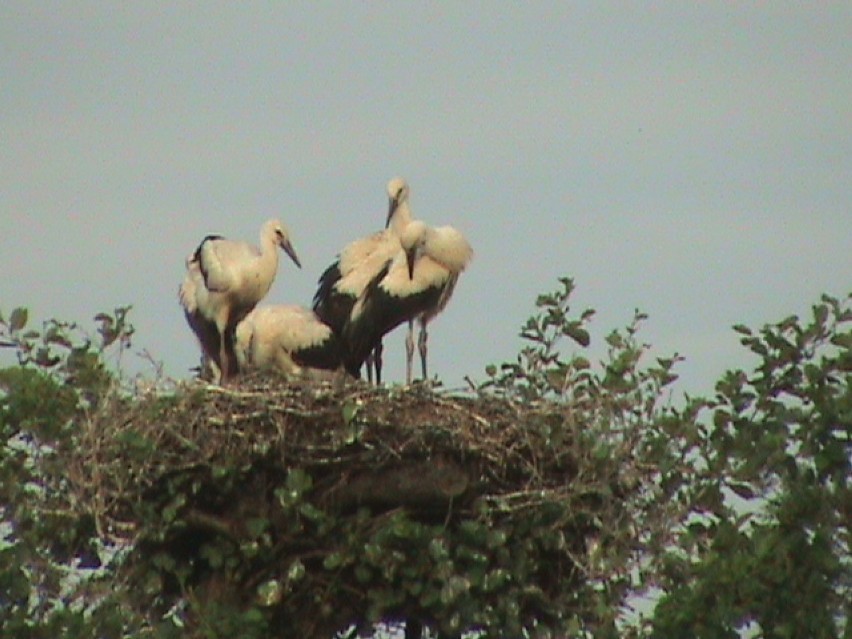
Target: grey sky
692, 161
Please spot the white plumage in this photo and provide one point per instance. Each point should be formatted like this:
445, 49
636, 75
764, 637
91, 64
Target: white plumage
288, 339
415, 285
225, 280
358, 264
358, 254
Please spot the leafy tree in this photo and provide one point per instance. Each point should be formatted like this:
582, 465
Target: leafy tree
767, 543
759, 475
542, 505
45, 404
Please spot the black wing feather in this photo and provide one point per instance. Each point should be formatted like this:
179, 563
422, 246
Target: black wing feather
328, 355
381, 312
330, 305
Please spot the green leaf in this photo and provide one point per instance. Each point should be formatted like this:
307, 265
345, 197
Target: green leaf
18, 319
213, 555
296, 571
614, 340
721, 418
269, 593
298, 481
820, 314
813, 373
139, 446
363, 574
788, 322
350, 411
256, 526
545, 300
743, 490
44, 359
438, 549
494, 579
454, 588
844, 340
496, 538
602, 451
170, 512
253, 616
333, 561
581, 363
311, 512
576, 332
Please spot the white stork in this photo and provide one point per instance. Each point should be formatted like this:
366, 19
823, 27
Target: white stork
225, 280
357, 264
192, 294
286, 338
415, 285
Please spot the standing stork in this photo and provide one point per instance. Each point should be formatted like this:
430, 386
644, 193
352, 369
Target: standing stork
192, 295
286, 338
358, 263
415, 285
225, 280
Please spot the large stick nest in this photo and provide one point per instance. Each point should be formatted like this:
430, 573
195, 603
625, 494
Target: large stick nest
171, 473
455, 444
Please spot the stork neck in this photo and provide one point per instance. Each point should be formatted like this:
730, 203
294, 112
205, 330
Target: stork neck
401, 218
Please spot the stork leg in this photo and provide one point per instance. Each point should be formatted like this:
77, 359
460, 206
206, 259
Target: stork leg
227, 354
212, 367
224, 363
368, 364
409, 351
421, 344
377, 362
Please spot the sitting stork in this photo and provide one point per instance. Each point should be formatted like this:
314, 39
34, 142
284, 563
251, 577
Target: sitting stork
415, 285
286, 338
225, 280
357, 264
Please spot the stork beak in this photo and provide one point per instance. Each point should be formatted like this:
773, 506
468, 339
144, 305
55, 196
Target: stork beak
394, 202
289, 250
409, 256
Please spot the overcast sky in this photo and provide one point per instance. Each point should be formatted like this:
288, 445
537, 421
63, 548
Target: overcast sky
692, 161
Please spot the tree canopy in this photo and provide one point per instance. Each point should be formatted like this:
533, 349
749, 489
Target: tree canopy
559, 496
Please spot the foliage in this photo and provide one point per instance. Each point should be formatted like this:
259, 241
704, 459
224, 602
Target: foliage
542, 505
61, 379
769, 544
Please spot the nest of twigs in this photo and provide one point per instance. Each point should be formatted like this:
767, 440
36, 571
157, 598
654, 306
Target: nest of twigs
454, 445
198, 469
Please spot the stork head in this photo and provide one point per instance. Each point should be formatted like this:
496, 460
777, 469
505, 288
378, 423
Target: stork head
413, 240
397, 194
282, 239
